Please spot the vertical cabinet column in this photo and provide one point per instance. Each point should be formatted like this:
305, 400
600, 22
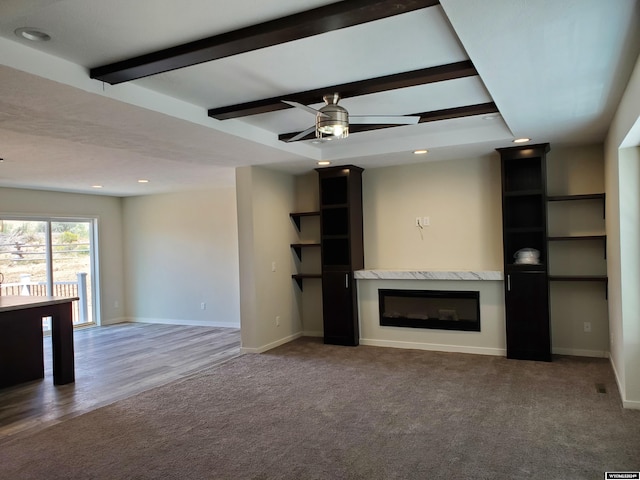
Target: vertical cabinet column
342, 251
524, 229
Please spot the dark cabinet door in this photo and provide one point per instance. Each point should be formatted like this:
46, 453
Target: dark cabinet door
527, 316
339, 308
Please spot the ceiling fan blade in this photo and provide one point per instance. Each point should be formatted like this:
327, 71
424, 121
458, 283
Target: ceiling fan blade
302, 134
384, 119
305, 108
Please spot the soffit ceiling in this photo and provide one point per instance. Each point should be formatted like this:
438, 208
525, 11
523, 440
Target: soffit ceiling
554, 70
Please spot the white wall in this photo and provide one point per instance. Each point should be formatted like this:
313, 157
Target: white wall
463, 201
181, 250
108, 211
265, 200
623, 239
629, 164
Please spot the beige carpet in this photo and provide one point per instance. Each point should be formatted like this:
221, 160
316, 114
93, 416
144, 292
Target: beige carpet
310, 411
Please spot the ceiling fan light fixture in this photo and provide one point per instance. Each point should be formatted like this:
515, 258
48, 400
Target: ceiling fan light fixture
332, 121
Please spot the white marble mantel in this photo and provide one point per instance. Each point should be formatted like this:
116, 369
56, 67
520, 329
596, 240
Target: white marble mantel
428, 275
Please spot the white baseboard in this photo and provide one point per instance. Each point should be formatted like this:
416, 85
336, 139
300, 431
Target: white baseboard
271, 345
631, 404
182, 321
500, 352
577, 352
115, 321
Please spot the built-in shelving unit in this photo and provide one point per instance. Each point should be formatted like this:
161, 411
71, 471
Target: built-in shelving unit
342, 251
600, 199
299, 247
524, 226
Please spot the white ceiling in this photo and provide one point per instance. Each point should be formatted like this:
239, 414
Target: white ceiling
556, 71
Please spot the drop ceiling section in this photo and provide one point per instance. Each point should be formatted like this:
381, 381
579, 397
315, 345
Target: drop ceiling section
407, 42
92, 33
396, 44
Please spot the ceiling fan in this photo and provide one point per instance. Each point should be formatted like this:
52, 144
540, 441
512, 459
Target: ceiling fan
332, 120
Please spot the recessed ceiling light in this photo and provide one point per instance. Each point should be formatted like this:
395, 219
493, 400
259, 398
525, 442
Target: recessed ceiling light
32, 34
96, 186
521, 140
324, 163
143, 180
420, 152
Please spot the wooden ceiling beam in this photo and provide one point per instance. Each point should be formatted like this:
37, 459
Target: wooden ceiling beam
352, 89
436, 115
286, 29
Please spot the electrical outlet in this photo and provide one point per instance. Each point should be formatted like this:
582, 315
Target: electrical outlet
418, 221
273, 266
426, 222
587, 327
203, 306
277, 320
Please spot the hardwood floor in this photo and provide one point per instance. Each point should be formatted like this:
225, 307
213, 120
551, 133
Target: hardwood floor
112, 363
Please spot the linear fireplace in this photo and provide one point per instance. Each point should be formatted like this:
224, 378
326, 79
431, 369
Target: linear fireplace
436, 309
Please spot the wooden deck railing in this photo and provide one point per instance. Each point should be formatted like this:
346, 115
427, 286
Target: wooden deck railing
60, 289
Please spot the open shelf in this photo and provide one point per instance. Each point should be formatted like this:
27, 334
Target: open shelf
299, 246
578, 278
583, 278
581, 238
577, 237
565, 198
299, 277
297, 215
587, 196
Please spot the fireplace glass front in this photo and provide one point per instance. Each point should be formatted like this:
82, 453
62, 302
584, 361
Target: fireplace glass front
435, 309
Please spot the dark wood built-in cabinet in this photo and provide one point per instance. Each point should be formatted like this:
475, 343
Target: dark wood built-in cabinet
524, 225
342, 251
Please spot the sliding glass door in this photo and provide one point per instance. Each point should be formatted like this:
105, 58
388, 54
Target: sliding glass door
50, 256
